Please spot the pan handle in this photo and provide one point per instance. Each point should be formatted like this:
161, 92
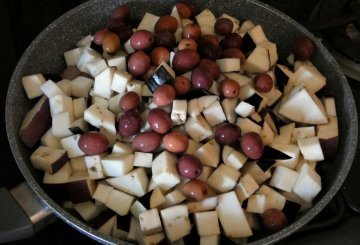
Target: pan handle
22, 213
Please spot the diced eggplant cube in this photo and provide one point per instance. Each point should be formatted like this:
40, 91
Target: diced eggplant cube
48, 159
134, 183
80, 187
50, 89
137, 208
115, 165
49, 140
61, 123
173, 198
207, 223
256, 204
70, 144
120, 80
98, 116
72, 56
176, 222
94, 167
214, 114
256, 172
224, 178
209, 154
232, 216
164, 171
119, 202
118, 61
179, 112
284, 178
60, 177
163, 74
291, 150
207, 204
308, 184
102, 192
311, 149
80, 86
246, 187
32, 84
122, 148
274, 198
210, 240
244, 109
150, 222
87, 210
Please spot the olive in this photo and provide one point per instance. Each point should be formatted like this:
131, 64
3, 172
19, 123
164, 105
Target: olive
165, 39
194, 8
187, 43
211, 66
124, 32
303, 48
99, 36
147, 141
234, 53
166, 23
263, 82
164, 95
227, 133
232, 40
142, 40
111, 42
192, 31
182, 85
175, 142
195, 190
223, 26
121, 12
114, 23
210, 38
159, 55
184, 10
229, 88
93, 143
159, 120
138, 63
185, 60
129, 101
252, 145
274, 220
201, 78
129, 123
189, 166
208, 50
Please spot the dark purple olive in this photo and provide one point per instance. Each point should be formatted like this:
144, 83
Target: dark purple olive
175, 142
93, 143
234, 53
124, 32
208, 50
121, 12
189, 166
252, 145
233, 40
303, 48
99, 36
195, 190
129, 101
138, 63
263, 82
142, 40
164, 95
114, 23
159, 120
227, 133
211, 66
184, 10
147, 141
166, 22
223, 26
129, 123
229, 88
274, 220
201, 78
192, 31
185, 60
165, 39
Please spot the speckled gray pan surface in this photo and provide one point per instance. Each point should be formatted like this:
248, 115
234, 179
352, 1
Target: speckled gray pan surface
45, 54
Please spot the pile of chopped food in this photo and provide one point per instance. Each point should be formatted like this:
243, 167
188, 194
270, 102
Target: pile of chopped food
184, 127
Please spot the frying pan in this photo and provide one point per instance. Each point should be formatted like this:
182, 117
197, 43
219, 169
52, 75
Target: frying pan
45, 55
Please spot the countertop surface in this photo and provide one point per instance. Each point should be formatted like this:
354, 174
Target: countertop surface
28, 18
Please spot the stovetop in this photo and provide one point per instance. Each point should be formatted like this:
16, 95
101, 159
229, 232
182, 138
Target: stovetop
22, 20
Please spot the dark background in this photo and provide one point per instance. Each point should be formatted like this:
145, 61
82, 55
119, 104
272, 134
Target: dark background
22, 20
